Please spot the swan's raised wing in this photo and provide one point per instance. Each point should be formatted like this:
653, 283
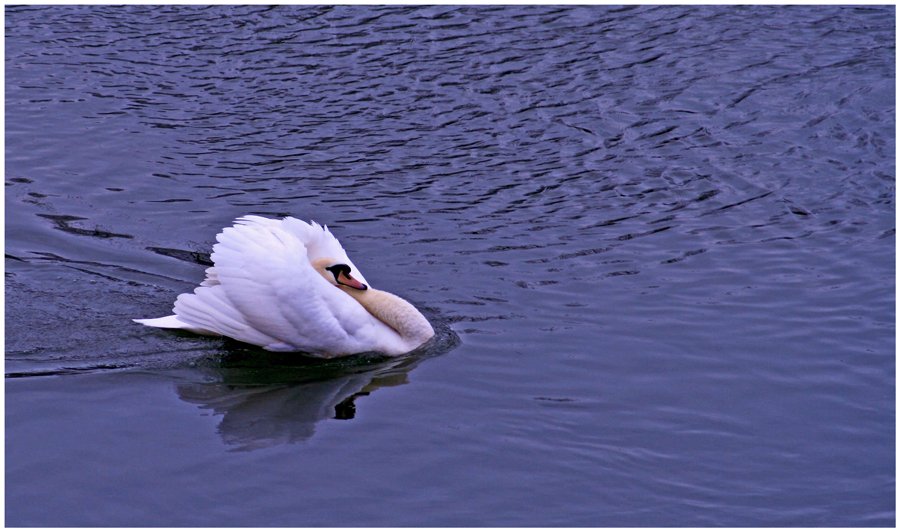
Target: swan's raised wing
318, 239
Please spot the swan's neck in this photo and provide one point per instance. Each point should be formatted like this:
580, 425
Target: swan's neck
396, 313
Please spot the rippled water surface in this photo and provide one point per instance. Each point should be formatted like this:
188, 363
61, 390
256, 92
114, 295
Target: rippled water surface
658, 244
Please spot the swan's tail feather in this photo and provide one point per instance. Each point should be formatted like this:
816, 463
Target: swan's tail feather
167, 322
172, 322
207, 311
210, 309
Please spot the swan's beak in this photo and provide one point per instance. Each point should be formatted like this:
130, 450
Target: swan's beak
342, 276
346, 280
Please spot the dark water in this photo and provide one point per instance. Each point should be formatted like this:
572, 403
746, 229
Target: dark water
658, 243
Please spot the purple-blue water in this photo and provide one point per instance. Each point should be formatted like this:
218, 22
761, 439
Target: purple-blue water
658, 244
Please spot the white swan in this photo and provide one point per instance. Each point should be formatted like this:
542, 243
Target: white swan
286, 285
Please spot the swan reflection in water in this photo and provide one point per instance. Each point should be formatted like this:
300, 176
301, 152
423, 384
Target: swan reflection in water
266, 401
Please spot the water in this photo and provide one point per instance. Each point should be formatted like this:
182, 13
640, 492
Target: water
658, 243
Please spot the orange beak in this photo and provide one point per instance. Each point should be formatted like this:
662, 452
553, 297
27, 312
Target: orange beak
346, 280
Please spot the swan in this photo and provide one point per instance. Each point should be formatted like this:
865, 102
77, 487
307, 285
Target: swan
286, 285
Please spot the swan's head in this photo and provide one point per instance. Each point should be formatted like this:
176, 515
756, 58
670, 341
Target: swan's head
336, 273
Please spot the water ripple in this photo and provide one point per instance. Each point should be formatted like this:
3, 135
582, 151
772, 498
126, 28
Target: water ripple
633, 201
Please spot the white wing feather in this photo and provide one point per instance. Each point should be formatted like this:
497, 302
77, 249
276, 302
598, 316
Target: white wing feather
317, 238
